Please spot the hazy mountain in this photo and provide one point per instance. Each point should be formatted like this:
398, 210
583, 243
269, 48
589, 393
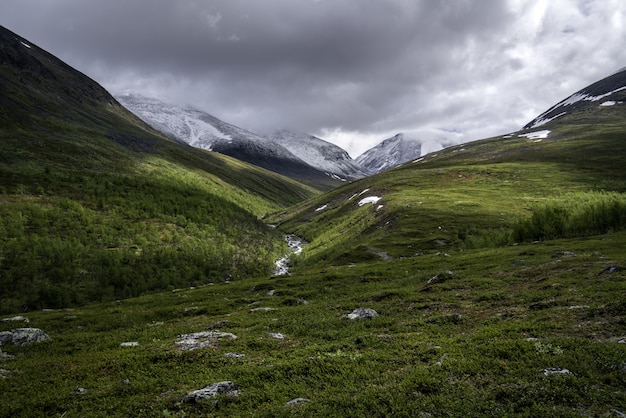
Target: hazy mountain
321, 154
389, 153
202, 130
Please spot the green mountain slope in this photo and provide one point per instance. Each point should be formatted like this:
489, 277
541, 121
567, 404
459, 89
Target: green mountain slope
95, 205
476, 194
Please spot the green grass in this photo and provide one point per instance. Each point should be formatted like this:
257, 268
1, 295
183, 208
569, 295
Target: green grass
474, 345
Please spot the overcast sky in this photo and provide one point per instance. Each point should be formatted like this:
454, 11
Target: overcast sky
350, 71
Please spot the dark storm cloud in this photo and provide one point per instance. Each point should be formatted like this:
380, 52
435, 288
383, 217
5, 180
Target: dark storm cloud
350, 69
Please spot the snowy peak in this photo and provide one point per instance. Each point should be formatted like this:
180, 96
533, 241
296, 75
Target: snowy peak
389, 153
202, 130
609, 91
319, 153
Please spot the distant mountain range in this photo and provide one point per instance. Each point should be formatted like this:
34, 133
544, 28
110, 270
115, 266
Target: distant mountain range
295, 154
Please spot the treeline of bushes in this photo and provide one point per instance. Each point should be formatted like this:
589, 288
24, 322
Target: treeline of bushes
110, 241
581, 214
574, 215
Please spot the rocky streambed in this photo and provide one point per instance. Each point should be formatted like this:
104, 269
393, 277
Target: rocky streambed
296, 245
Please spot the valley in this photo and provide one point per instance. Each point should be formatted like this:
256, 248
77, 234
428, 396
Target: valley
485, 279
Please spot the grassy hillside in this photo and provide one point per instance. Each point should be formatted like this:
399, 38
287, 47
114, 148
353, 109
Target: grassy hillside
481, 194
95, 205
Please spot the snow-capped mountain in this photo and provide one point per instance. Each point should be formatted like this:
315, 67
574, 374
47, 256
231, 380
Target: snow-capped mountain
201, 130
389, 153
610, 91
319, 153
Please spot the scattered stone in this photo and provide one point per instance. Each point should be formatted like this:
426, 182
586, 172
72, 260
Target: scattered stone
130, 344
578, 307
262, 309
557, 254
361, 313
16, 319
69, 317
535, 306
218, 324
80, 391
297, 401
618, 414
194, 341
6, 356
4, 373
23, 336
556, 371
234, 355
622, 341
276, 335
441, 277
227, 388
271, 292
126, 382
189, 309
611, 270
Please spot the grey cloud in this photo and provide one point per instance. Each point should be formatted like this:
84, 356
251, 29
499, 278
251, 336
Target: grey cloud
370, 67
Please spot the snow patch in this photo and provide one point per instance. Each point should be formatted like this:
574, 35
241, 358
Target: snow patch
321, 208
25, 44
542, 121
364, 191
608, 103
369, 199
536, 135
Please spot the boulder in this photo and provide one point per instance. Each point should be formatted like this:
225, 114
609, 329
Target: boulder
441, 277
193, 341
219, 388
23, 336
363, 313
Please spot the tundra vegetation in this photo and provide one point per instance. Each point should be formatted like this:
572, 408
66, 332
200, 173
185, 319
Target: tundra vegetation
491, 273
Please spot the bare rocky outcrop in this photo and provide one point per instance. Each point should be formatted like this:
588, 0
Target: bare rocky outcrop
23, 336
362, 313
227, 388
193, 341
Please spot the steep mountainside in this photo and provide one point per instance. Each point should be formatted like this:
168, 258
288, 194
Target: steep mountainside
319, 153
202, 130
96, 205
588, 102
389, 153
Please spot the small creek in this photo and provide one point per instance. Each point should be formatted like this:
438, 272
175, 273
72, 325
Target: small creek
295, 246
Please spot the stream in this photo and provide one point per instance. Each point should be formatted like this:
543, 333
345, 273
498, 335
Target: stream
282, 264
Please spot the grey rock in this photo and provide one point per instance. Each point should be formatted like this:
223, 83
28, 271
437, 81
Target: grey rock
556, 371
262, 309
80, 391
219, 388
276, 335
441, 277
16, 319
297, 401
23, 336
196, 340
611, 270
4, 373
234, 355
362, 313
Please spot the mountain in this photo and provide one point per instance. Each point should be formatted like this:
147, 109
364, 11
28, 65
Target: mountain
199, 129
319, 153
481, 191
97, 205
486, 279
389, 153
597, 97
